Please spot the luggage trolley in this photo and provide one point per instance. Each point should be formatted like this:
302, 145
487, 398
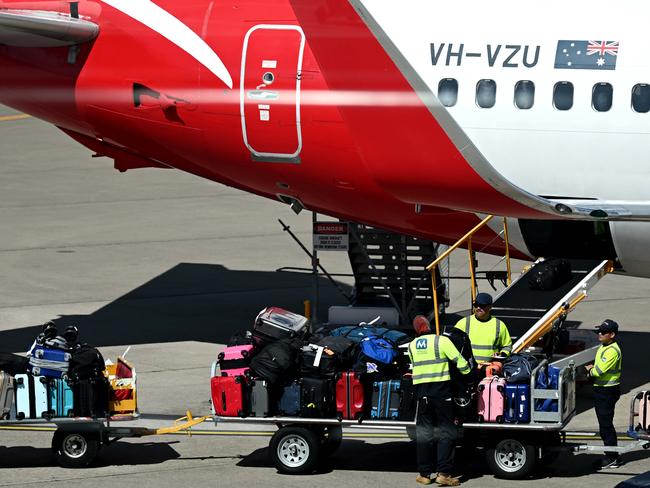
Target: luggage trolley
512, 450
77, 440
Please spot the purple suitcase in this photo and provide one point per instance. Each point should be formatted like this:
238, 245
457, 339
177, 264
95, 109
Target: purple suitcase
235, 360
491, 399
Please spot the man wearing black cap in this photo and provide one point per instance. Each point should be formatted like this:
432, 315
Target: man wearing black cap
606, 375
489, 335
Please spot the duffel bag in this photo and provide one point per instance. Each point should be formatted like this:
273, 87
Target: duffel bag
549, 274
276, 359
517, 368
357, 333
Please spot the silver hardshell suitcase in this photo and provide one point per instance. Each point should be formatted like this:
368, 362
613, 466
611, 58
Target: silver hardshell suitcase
275, 323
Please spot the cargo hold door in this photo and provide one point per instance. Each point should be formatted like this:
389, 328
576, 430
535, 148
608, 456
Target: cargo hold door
270, 92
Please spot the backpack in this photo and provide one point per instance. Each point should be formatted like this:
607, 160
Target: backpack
86, 363
276, 359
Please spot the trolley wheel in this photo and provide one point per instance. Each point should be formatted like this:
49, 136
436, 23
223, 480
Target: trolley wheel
332, 437
74, 449
295, 450
511, 459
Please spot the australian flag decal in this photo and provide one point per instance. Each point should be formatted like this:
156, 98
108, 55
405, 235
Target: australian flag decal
586, 55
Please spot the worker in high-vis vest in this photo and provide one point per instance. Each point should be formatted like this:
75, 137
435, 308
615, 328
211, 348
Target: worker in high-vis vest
489, 335
605, 373
430, 355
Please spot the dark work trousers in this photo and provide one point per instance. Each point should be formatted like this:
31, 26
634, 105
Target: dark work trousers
605, 398
435, 425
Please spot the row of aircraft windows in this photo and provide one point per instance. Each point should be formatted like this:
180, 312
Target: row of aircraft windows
601, 95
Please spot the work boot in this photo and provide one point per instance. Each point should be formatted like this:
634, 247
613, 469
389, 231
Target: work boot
423, 480
446, 480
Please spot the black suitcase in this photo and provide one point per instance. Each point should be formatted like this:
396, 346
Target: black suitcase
408, 403
317, 398
90, 397
550, 274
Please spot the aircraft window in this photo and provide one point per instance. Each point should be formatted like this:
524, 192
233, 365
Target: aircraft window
641, 98
563, 95
486, 93
448, 92
601, 97
524, 94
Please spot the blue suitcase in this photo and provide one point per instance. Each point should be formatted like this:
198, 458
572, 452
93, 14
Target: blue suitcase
385, 400
289, 403
517, 409
61, 399
49, 362
31, 397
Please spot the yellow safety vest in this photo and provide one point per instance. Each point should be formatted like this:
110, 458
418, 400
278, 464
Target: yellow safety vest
487, 338
430, 355
607, 366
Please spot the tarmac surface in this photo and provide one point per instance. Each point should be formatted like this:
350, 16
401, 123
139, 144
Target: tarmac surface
172, 265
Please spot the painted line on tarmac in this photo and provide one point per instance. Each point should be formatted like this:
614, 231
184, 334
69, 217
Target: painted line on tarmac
9, 118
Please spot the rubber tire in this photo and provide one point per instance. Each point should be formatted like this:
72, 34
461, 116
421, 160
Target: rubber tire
86, 445
333, 437
499, 459
306, 446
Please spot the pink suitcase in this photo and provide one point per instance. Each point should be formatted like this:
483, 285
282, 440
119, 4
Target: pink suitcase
235, 360
491, 399
644, 411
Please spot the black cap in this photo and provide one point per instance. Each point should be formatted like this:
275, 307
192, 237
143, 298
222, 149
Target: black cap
607, 326
483, 299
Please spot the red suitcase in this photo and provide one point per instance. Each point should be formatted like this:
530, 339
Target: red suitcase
229, 397
235, 360
349, 396
491, 399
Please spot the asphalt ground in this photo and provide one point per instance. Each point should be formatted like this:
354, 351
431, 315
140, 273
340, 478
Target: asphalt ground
171, 265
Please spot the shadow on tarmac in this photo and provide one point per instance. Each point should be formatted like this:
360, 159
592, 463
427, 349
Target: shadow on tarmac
189, 302
116, 454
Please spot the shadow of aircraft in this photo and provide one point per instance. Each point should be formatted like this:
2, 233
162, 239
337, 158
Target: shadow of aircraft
189, 302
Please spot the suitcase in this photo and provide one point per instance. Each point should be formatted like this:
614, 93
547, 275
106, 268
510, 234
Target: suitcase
235, 360
549, 275
289, 403
644, 411
317, 360
517, 404
491, 399
349, 396
385, 400
90, 397
229, 395
31, 397
260, 399
61, 398
6, 395
317, 398
274, 323
495, 368
408, 401
49, 362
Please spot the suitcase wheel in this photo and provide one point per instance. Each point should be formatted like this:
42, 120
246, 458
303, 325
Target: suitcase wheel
220, 356
244, 354
239, 379
499, 419
20, 381
481, 387
499, 388
43, 380
481, 419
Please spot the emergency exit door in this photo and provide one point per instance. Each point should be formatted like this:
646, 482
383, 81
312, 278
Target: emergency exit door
270, 91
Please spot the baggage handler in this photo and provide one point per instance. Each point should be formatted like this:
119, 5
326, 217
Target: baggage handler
606, 376
430, 355
489, 335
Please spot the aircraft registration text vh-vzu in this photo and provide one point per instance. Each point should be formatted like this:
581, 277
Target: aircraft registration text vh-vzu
414, 116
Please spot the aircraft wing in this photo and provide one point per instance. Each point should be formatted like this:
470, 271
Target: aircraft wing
33, 28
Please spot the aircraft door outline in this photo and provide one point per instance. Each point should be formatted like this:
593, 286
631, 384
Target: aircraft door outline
268, 95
